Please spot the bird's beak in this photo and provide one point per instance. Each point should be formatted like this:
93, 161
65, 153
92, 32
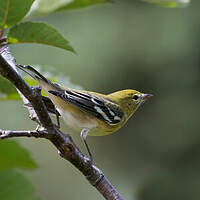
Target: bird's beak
145, 96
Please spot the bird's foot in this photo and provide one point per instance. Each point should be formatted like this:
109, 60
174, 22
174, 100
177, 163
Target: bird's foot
88, 160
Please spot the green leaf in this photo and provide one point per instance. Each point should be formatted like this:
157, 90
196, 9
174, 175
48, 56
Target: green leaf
7, 90
169, 3
47, 6
15, 186
12, 155
12, 11
81, 4
40, 33
42, 7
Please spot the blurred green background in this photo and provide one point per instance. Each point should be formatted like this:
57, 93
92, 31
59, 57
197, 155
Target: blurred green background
128, 44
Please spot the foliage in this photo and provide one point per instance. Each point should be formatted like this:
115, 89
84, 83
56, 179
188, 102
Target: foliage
23, 33
81, 3
36, 32
41, 7
14, 185
169, 3
8, 91
13, 11
14, 156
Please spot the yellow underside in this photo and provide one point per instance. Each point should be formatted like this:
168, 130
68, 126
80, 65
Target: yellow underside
76, 119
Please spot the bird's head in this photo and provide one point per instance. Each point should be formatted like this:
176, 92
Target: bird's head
129, 100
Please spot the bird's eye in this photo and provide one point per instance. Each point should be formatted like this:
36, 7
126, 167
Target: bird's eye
135, 97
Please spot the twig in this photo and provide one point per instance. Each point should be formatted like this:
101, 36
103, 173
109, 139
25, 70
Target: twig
9, 134
63, 142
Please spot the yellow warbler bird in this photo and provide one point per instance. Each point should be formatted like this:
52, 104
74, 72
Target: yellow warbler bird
90, 113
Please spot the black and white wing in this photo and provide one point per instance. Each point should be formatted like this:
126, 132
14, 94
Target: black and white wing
104, 110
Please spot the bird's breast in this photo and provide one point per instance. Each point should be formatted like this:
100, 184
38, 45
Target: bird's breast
77, 120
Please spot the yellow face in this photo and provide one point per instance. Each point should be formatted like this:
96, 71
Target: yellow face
130, 100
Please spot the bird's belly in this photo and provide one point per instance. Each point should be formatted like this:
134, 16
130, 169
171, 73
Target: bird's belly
77, 121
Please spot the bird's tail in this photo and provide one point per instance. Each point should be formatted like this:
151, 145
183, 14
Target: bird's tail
43, 82
33, 73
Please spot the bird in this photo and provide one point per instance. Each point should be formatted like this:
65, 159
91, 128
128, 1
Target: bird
90, 113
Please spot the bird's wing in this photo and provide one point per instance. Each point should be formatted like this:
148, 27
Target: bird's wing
104, 110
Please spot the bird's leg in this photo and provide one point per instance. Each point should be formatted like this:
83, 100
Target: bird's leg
84, 134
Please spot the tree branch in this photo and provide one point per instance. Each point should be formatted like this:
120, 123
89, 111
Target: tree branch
9, 134
63, 142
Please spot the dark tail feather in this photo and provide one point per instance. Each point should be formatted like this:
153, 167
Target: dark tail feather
37, 76
32, 72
